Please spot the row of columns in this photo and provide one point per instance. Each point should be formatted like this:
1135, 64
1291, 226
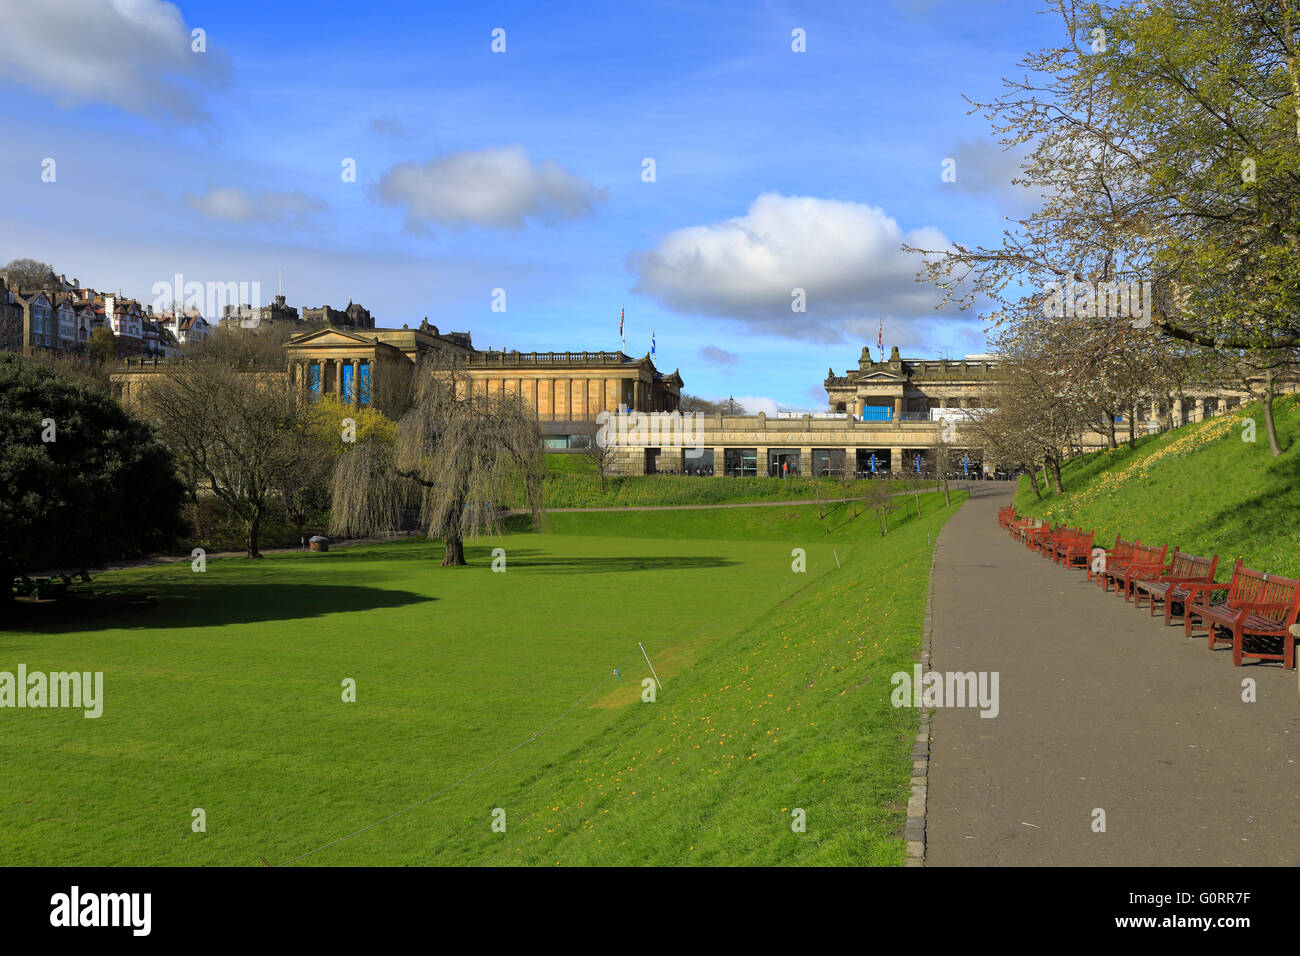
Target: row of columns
331, 376
570, 396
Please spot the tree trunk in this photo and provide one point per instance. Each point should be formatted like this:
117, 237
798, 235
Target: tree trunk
1270, 426
1131, 415
254, 535
1033, 482
453, 552
1056, 476
1110, 430
1047, 482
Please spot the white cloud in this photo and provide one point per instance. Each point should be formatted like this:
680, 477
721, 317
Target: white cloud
132, 54
718, 356
495, 187
753, 404
238, 205
846, 257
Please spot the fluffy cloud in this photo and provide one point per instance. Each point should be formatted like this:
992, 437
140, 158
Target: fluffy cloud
238, 205
753, 404
498, 187
132, 54
718, 356
845, 256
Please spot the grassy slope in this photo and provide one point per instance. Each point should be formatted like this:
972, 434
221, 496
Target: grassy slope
1200, 487
571, 482
226, 697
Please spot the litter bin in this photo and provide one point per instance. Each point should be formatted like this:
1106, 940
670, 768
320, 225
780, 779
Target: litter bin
318, 542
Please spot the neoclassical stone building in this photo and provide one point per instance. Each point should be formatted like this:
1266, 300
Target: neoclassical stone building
887, 416
567, 389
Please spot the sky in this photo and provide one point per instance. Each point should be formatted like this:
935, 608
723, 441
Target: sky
683, 162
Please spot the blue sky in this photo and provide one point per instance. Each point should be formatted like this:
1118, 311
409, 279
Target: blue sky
523, 170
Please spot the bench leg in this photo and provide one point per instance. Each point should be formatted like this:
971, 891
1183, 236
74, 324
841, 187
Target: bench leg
1236, 646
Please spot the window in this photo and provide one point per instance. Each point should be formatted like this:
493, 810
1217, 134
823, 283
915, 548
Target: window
347, 382
740, 462
364, 386
698, 461
782, 462
828, 461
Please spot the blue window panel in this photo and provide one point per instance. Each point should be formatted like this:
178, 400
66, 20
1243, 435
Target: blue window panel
347, 382
313, 377
365, 383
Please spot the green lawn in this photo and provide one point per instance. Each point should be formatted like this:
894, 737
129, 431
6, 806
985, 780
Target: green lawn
1201, 487
227, 697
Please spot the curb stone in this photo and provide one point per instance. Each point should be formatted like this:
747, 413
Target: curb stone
914, 832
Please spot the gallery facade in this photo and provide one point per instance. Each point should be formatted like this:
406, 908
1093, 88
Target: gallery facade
883, 417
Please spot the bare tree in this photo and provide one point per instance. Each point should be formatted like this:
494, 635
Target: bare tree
462, 450
230, 416
602, 455
29, 274
880, 499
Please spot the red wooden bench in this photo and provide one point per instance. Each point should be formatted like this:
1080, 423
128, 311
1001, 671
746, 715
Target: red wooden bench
1006, 516
1148, 561
1078, 548
1120, 553
1144, 557
1169, 587
1045, 544
1057, 541
1259, 607
1034, 535
1020, 526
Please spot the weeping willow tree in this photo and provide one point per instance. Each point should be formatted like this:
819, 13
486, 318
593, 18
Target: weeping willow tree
458, 451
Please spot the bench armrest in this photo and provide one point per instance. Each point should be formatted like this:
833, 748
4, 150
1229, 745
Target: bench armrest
1196, 588
1263, 605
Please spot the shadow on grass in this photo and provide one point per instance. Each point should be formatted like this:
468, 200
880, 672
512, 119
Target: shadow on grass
211, 605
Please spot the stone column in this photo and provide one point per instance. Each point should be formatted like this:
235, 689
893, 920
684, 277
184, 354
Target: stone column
896, 463
898, 409
356, 382
805, 461
1178, 412
1200, 409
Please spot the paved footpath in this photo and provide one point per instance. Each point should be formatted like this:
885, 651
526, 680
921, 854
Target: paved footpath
1101, 707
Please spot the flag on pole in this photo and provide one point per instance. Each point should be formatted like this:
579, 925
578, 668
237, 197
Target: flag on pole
880, 339
652, 342
620, 329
